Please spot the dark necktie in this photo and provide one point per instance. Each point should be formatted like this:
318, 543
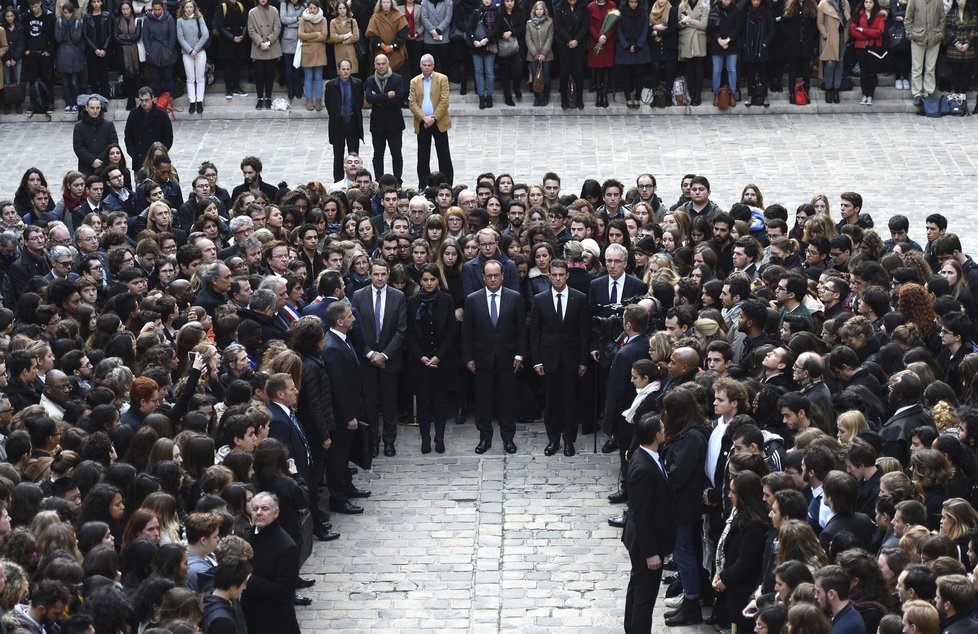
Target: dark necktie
560, 307
346, 110
493, 314
352, 350
302, 435
614, 292
662, 465
377, 323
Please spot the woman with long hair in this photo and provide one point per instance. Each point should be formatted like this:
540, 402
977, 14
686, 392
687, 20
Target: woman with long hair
693, 19
511, 35
741, 554
13, 58
866, 30
539, 48
275, 472
833, 25
759, 31
685, 452
264, 29
932, 472
387, 33
193, 34
128, 33
313, 33
633, 55
482, 32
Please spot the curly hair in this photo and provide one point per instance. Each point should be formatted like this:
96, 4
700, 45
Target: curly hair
914, 304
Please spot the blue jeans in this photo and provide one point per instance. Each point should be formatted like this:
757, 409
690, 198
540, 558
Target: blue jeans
833, 75
485, 75
11, 74
313, 82
731, 62
546, 75
684, 553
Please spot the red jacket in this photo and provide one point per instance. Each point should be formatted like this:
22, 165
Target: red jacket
871, 35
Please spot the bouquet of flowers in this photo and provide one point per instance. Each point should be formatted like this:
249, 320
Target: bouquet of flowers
609, 22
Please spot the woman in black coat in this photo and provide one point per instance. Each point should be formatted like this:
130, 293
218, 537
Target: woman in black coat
723, 34
759, 30
275, 472
799, 34
314, 408
231, 25
431, 346
571, 25
664, 44
740, 557
511, 66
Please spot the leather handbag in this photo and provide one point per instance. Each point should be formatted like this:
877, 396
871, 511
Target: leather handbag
508, 48
538, 81
12, 94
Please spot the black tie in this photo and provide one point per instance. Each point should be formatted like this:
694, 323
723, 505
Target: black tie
560, 307
614, 292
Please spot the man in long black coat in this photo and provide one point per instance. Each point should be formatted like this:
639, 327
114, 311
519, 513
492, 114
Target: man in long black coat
267, 602
344, 104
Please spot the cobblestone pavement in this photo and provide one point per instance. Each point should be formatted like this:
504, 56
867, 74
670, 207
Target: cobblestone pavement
900, 163
519, 543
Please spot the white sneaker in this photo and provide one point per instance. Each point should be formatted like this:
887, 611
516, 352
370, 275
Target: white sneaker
675, 601
905, 84
862, 102
869, 101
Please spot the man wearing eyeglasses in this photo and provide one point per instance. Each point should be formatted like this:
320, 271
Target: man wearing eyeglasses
61, 262
645, 184
472, 276
32, 262
118, 196
789, 294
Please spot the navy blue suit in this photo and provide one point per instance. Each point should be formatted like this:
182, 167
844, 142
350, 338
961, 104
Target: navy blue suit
282, 429
346, 384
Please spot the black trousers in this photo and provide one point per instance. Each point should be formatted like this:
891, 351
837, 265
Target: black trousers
349, 140
868, 79
232, 74
560, 415
338, 479
379, 396
38, 67
632, 79
425, 136
432, 400
643, 588
98, 74
571, 61
393, 141
799, 68
495, 393
694, 78
317, 468
510, 73
264, 71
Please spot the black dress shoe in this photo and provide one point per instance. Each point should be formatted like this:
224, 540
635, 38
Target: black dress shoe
353, 471
425, 444
375, 451
268, 103
460, 416
483, 446
389, 451
569, 449
609, 446
551, 449
439, 445
346, 507
305, 583
323, 536
259, 106
618, 497
359, 493
509, 446
617, 522
298, 599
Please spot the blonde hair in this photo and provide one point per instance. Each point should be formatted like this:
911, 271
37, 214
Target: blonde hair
539, 3
183, 5
923, 615
853, 422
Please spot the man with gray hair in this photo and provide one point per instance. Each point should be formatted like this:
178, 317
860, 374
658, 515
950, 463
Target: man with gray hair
418, 212
428, 100
385, 91
267, 602
215, 282
61, 260
261, 309
241, 227
279, 286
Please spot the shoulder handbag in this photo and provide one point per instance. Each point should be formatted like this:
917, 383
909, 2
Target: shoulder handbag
896, 37
538, 80
957, 105
508, 48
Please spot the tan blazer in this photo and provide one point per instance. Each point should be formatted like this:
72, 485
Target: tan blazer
439, 98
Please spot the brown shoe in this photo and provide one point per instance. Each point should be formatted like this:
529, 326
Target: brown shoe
309, 105
319, 105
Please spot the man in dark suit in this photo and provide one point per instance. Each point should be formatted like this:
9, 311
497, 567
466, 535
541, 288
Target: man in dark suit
385, 91
560, 333
621, 392
905, 392
493, 347
472, 279
344, 104
617, 285
343, 368
383, 315
284, 426
650, 530
267, 601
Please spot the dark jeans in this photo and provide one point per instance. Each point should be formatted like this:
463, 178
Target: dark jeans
160, 78
394, 141
294, 77
264, 72
425, 136
70, 87
571, 61
232, 75
39, 68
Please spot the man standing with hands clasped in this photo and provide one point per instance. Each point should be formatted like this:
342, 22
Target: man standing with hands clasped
428, 100
650, 530
385, 93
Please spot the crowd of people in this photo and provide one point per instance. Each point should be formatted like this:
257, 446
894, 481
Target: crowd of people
641, 47
188, 370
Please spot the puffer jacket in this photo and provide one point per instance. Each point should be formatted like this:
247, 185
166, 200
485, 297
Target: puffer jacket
160, 39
